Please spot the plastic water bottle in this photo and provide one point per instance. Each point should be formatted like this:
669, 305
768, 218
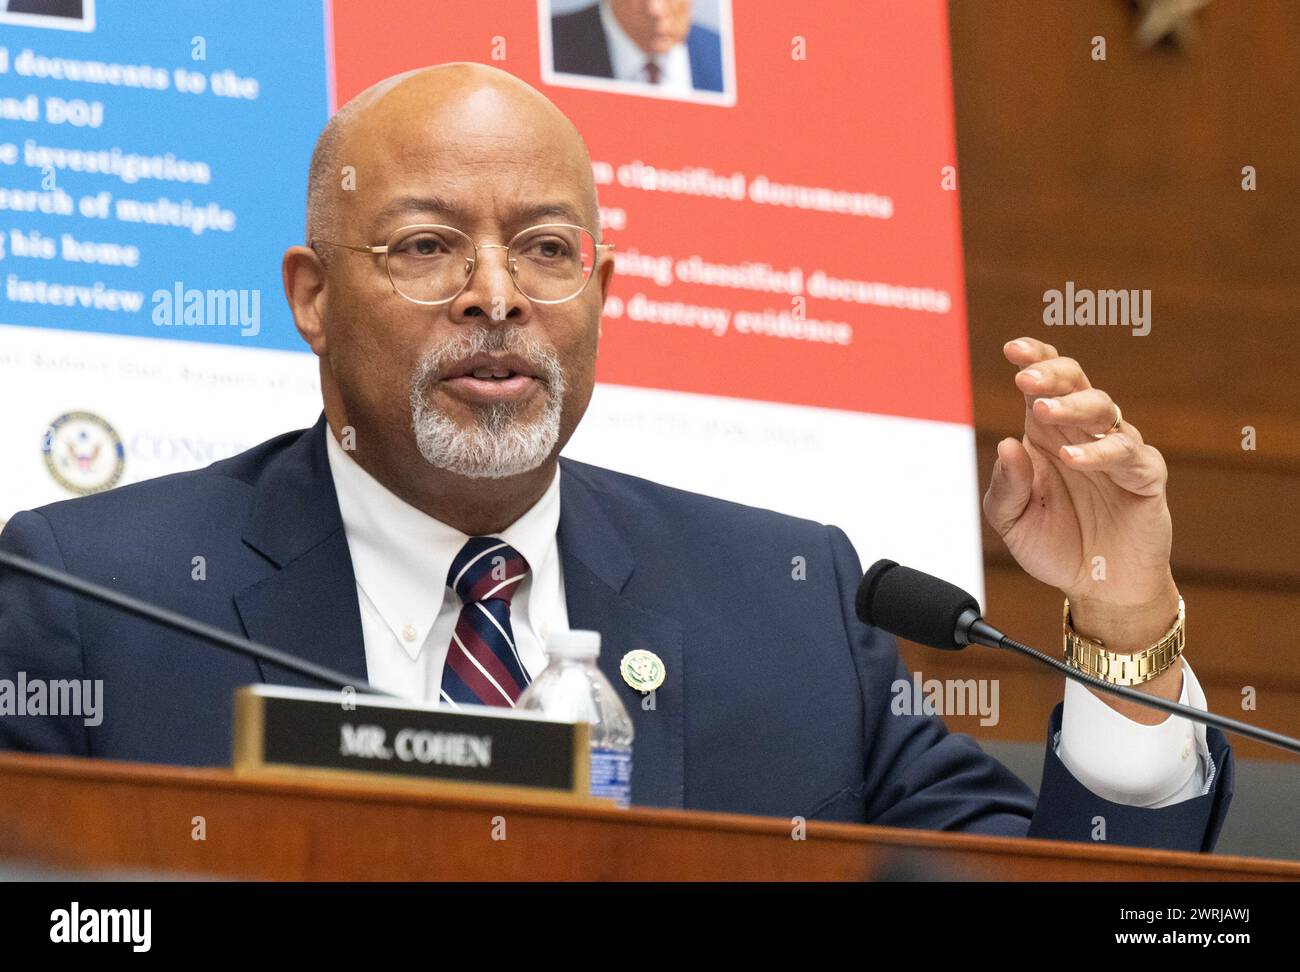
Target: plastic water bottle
572, 689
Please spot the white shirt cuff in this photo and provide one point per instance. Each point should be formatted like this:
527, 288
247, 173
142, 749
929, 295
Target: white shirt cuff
1131, 763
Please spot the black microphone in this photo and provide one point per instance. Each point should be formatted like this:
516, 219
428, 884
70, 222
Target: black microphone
922, 608
179, 622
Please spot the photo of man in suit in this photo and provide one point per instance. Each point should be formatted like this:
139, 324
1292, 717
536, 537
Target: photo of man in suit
62, 14
452, 375
654, 43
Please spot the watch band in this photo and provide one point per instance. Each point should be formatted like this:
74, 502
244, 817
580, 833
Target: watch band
1092, 657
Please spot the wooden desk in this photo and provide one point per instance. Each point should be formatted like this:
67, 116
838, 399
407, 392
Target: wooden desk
96, 815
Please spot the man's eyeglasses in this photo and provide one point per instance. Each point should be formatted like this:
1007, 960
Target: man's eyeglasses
431, 264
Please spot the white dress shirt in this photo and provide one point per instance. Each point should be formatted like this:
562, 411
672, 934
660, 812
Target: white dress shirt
401, 556
628, 60
1127, 762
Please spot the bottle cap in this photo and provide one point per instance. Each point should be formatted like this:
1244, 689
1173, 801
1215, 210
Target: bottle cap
573, 644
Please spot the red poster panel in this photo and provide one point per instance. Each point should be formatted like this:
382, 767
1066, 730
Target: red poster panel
783, 197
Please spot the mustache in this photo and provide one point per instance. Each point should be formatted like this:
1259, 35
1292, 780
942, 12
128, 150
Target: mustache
540, 357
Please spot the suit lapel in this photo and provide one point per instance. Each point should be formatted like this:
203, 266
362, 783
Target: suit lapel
600, 64
597, 565
309, 605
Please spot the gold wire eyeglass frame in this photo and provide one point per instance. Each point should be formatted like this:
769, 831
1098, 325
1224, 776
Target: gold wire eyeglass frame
383, 249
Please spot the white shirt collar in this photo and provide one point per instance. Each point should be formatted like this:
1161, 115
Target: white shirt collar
401, 555
628, 61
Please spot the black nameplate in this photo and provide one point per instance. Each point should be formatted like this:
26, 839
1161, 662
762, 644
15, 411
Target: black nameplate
305, 729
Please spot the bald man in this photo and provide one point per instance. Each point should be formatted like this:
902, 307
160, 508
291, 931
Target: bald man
451, 288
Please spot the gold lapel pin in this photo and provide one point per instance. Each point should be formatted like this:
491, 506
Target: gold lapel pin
643, 670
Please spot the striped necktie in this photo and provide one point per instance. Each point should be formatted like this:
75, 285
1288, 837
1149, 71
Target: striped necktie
483, 666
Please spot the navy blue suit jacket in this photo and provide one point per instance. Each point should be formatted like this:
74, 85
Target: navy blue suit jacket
777, 700
579, 46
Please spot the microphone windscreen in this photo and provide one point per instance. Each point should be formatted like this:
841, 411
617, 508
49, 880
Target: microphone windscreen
912, 604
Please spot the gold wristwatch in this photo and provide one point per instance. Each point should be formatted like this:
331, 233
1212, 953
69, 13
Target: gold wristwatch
1094, 658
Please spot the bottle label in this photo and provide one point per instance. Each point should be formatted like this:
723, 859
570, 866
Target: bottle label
611, 775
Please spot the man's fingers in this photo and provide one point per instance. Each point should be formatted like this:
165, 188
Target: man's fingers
1091, 411
1053, 376
1026, 350
1131, 465
1010, 486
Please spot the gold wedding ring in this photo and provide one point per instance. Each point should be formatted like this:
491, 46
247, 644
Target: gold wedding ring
1114, 426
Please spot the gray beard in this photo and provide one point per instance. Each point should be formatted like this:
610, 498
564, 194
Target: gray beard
498, 444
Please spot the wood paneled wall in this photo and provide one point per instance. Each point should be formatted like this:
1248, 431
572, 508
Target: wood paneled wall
1127, 173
